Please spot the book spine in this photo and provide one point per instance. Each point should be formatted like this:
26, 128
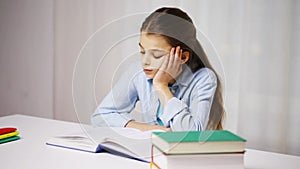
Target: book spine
154, 166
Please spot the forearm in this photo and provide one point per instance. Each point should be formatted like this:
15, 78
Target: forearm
163, 92
100, 119
144, 126
180, 117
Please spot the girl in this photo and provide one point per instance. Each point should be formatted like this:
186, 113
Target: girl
177, 88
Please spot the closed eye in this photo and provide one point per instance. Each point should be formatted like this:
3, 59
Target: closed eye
157, 57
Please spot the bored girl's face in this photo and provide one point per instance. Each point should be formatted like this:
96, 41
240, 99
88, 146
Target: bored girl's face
153, 48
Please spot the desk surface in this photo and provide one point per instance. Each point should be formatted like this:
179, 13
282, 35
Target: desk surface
32, 152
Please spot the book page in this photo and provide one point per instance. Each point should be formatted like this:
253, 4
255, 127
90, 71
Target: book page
127, 140
117, 140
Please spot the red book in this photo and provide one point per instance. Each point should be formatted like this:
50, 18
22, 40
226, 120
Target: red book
7, 130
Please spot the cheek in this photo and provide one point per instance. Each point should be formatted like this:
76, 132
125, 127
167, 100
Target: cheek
156, 63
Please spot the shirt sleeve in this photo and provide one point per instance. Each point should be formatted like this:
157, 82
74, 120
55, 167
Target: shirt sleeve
182, 117
115, 108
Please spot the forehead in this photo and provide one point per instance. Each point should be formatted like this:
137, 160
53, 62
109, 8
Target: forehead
152, 41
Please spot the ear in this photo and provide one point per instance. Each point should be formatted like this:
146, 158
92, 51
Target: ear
185, 57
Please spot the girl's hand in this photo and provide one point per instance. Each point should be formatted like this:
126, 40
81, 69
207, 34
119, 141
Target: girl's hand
145, 127
170, 68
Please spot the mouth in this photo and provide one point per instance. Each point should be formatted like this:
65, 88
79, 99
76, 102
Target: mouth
148, 71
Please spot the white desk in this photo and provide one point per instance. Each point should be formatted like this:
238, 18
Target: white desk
31, 151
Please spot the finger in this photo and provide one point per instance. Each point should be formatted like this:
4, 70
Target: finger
175, 54
178, 62
179, 59
177, 51
172, 55
178, 55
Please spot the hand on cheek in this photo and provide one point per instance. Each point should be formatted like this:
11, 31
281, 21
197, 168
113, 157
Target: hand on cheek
170, 68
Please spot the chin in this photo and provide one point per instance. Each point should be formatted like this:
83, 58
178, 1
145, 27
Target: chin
149, 76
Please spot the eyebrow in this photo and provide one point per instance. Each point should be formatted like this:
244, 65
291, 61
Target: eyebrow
154, 50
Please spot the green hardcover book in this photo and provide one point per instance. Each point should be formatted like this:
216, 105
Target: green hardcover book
194, 142
5, 140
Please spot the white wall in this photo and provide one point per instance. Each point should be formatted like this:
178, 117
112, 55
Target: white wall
294, 92
26, 57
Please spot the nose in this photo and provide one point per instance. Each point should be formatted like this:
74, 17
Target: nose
146, 59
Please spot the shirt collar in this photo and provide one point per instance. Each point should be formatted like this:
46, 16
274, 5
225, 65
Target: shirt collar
185, 77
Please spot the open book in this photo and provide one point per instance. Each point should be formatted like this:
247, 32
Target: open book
126, 142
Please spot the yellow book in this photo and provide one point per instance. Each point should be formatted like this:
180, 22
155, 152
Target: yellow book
3, 136
153, 165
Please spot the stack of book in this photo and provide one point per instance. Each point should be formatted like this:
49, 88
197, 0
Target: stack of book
8, 134
210, 149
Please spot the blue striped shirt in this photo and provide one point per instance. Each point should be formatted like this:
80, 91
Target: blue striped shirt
188, 110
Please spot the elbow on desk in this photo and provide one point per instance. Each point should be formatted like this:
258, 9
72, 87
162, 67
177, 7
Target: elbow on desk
188, 124
98, 121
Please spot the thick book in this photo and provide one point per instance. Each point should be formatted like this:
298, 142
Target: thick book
125, 142
194, 142
161, 160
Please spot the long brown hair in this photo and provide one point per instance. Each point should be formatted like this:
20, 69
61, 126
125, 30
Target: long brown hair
178, 29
